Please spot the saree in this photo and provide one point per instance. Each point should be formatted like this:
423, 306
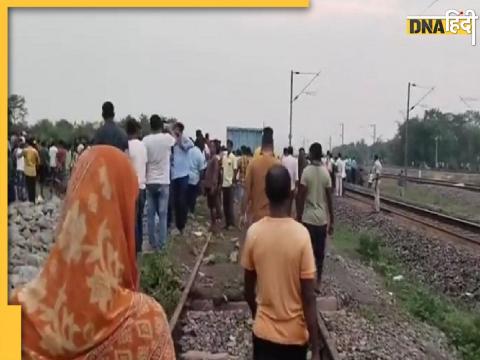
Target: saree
84, 303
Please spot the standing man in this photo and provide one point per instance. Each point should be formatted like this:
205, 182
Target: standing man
280, 279
198, 164
61, 170
354, 171
316, 210
255, 204
138, 155
44, 166
377, 174
180, 170
291, 164
109, 133
243, 162
229, 167
20, 174
158, 145
340, 175
52, 152
32, 161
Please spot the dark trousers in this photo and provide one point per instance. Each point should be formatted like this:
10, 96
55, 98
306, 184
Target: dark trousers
178, 202
266, 350
192, 193
31, 183
228, 206
318, 235
142, 195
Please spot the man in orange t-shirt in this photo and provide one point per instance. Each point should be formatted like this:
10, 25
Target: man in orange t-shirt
255, 205
280, 271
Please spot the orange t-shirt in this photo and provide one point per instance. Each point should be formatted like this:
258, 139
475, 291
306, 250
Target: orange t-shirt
257, 169
280, 251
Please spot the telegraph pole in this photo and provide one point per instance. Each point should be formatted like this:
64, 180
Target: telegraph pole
436, 151
291, 108
330, 143
405, 160
374, 127
343, 132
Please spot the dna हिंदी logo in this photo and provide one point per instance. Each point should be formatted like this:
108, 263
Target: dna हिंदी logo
453, 23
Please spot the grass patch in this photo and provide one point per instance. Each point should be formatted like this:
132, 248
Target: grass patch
160, 279
462, 327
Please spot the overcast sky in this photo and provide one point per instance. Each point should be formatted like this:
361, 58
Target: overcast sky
218, 68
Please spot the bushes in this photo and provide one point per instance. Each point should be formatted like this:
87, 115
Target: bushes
160, 279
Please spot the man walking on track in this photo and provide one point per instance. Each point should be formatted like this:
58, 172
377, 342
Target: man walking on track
229, 166
138, 156
158, 147
291, 164
255, 204
316, 210
180, 170
377, 174
340, 175
280, 279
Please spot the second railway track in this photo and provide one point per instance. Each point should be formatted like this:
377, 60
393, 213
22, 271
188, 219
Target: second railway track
466, 230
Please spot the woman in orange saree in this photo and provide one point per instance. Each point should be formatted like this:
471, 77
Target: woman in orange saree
84, 303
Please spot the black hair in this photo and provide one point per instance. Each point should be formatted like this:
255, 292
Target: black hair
376, 157
108, 111
290, 150
285, 151
316, 151
179, 126
198, 133
267, 136
31, 141
277, 185
340, 155
301, 150
229, 143
156, 123
132, 126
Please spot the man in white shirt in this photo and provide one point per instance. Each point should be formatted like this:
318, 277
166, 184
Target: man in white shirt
158, 145
291, 164
196, 157
52, 152
341, 174
230, 167
138, 155
377, 174
20, 174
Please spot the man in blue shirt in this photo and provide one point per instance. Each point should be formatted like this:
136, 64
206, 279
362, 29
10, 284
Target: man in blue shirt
197, 166
180, 170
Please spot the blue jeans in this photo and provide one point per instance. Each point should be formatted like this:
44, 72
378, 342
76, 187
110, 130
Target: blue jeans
178, 205
139, 225
157, 203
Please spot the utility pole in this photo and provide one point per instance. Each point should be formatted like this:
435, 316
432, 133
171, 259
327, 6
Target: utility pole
291, 108
330, 143
436, 152
374, 126
293, 99
343, 132
405, 160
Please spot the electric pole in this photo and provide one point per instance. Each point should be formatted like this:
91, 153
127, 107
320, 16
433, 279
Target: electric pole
374, 127
330, 143
436, 151
291, 108
342, 125
405, 160
293, 99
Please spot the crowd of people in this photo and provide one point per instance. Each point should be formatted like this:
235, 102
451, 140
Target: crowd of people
86, 300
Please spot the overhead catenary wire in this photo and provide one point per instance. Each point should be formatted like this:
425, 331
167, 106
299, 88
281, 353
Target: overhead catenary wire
303, 91
422, 98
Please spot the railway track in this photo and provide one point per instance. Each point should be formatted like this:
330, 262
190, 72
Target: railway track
461, 186
328, 349
463, 229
